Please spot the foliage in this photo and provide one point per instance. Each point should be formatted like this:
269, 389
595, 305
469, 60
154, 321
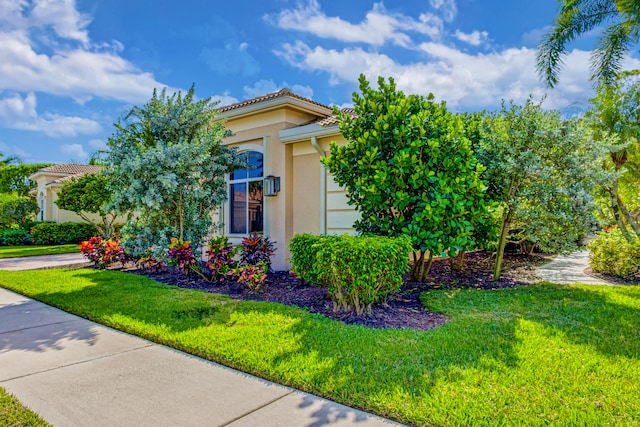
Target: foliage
542, 171
409, 169
86, 195
614, 120
166, 164
620, 23
256, 249
16, 209
181, 255
253, 275
15, 236
53, 233
304, 250
362, 270
15, 178
103, 252
612, 254
221, 254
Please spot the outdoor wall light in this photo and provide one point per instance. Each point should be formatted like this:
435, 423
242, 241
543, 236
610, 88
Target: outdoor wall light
271, 185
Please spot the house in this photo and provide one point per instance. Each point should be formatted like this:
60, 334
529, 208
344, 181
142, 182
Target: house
288, 191
48, 182
283, 135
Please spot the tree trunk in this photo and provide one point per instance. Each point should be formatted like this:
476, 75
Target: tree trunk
504, 232
615, 208
457, 262
420, 270
627, 216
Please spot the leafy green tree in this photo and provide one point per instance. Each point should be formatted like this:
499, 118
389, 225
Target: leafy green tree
615, 121
88, 195
542, 171
16, 209
166, 164
15, 178
620, 23
409, 169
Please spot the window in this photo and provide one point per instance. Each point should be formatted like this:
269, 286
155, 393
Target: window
246, 204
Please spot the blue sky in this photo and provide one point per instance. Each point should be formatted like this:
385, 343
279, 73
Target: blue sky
70, 68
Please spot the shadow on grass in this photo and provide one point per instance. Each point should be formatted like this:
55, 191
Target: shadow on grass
381, 370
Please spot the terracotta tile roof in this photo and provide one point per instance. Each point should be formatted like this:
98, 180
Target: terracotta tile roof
333, 120
71, 169
274, 95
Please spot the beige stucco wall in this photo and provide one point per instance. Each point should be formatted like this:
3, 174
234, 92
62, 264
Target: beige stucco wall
306, 193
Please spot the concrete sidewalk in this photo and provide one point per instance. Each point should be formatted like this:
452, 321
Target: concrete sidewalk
74, 372
44, 261
568, 269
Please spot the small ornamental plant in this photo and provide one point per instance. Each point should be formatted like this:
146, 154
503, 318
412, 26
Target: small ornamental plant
254, 276
221, 263
181, 256
103, 253
256, 249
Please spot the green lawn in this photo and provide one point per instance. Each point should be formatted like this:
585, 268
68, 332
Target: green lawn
14, 414
20, 251
539, 355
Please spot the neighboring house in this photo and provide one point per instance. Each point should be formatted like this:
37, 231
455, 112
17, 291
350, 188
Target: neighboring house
49, 181
283, 135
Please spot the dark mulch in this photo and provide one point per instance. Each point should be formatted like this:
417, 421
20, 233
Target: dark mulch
404, 310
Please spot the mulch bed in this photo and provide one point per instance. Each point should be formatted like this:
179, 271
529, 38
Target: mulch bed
404, 310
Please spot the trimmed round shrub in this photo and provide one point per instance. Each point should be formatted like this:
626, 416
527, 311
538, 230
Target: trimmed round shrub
612, 254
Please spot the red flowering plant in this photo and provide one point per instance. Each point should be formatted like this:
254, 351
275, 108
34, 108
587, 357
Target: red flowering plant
256, 249
103, 252
181, 256
221, 261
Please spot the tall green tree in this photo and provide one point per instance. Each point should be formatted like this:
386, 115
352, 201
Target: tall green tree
620, 24
167, 164
409, 170
89, 195
542, 171
15, 178
615, 121
16, 209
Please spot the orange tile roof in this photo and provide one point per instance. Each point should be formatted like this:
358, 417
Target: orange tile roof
71, 169
333, 120
274, 95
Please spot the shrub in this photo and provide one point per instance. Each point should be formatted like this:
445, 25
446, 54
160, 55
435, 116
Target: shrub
15, 237
221, 262
256, 249
103, 252
304, 249
361, 271
181, 255
254, 276
52, 233
612, 254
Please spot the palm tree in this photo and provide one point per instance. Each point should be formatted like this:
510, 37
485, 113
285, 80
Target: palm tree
621, 22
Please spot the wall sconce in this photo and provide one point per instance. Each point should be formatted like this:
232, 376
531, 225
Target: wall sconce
271, 185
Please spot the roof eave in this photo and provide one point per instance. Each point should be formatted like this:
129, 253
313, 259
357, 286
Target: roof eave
305, 133
272, 104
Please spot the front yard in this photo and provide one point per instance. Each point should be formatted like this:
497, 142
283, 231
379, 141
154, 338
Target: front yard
14, 414
528, 355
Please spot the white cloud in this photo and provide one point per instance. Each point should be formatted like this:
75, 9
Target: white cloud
75, 151
465, 81
20, 113
475, 38
447, 7
378, 27
97, 144
224, 99
77, 69
263, 87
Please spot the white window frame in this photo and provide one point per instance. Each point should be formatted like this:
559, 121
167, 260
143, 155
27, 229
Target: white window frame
245, 148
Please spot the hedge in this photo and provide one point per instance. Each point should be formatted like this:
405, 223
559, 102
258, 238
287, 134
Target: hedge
53, 233
612, 254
